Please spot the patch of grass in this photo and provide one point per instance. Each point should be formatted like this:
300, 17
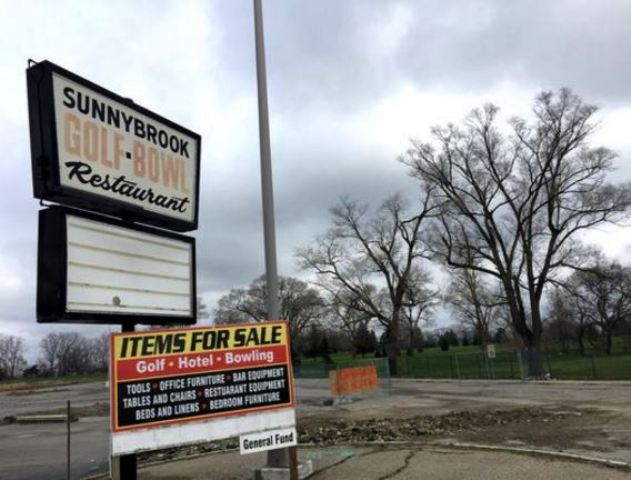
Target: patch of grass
590, 367
470, 362
97, 409
36, 383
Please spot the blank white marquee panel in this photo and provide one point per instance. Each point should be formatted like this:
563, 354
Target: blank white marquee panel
115, 269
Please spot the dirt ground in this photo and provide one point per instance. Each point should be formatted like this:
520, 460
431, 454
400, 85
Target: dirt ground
579, 418
585, 418
591, 419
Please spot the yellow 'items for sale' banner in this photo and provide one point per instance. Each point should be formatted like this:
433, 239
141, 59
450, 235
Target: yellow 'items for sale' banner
173, 376
149, 344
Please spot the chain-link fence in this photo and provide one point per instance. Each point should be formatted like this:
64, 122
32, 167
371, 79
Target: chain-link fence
507, 364
462, 366
514, 365
321, 370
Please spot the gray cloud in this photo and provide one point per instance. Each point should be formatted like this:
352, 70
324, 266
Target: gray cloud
348, 83
342, 54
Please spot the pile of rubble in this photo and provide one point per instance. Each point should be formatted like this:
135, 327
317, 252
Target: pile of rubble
413, 429
322, 432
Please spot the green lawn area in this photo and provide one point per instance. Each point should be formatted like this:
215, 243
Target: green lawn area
614, 367
316, 368
470, 362
460, 362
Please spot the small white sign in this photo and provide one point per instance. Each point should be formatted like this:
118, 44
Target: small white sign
490, 350
268, 440
188, 433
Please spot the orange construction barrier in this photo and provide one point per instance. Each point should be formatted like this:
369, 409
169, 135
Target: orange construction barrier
353, 380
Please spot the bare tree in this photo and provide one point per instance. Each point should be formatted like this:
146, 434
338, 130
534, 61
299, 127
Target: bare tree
603, 296
513, 204
364, 340
99, 351
476, 305
66, 353
12, 351
419, 303
342, 314
202, 309
50, 346
569, 316
370, 261
300, 305
561, 326
356, 325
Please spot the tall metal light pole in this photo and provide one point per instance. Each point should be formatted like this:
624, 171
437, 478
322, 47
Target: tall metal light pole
275, 458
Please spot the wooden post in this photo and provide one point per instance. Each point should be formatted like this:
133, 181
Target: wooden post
68, 439
128, 467
293, 463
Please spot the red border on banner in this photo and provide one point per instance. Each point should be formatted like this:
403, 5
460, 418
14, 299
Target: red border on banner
114, 380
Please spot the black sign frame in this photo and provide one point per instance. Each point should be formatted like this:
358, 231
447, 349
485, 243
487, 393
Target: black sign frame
52, 270
45, 157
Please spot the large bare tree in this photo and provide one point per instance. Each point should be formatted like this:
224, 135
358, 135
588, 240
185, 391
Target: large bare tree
419, 302
514, 203
602, 296
370, 262
99, 352
66, 353
12, 351
300, 305
342, 315
202, 309
476, 304
567, 318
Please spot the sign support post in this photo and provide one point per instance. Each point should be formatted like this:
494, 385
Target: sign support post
128, 464
275, 458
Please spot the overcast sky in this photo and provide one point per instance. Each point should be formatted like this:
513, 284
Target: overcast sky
350, 82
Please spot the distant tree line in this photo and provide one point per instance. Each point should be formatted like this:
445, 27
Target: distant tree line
60, 354
73, 353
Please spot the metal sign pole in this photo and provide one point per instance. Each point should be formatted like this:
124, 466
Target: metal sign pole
128, 464
275, 458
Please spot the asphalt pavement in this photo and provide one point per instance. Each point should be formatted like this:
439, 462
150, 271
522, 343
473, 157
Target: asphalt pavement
29, 401
392, 463
34, 452
39, 451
